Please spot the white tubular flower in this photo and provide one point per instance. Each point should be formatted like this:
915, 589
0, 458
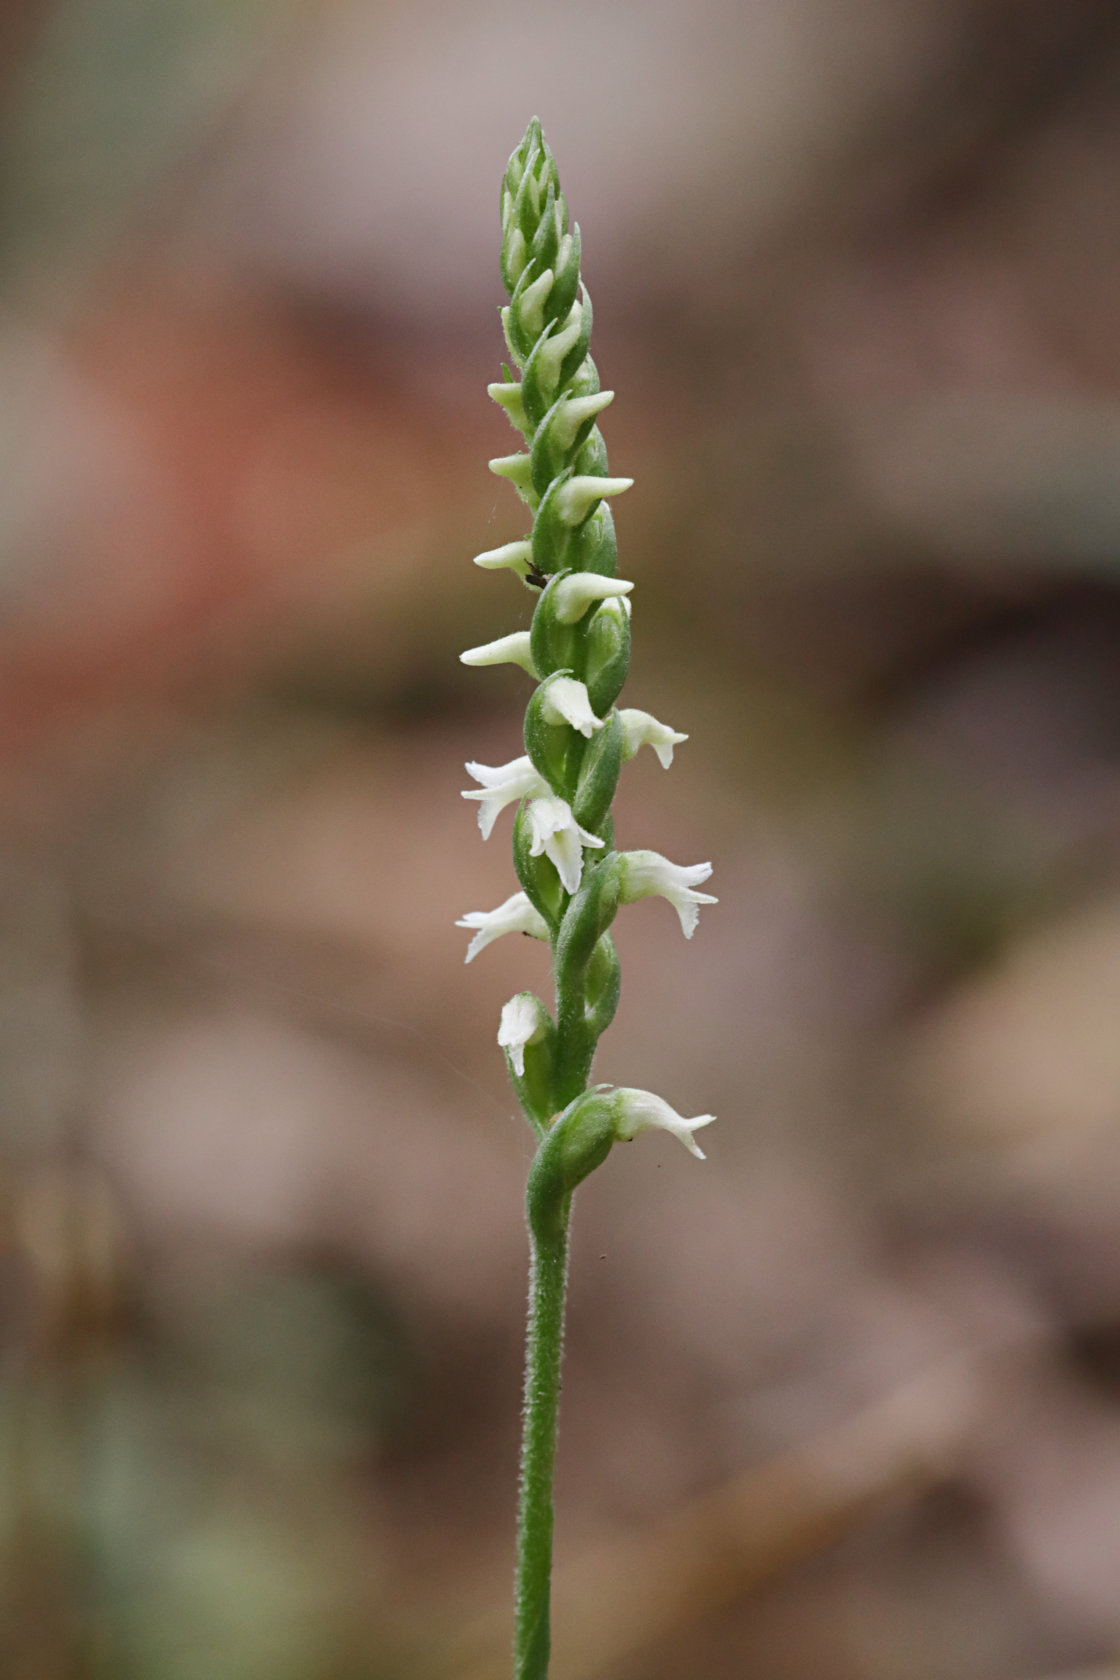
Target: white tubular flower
640, 1111
502, 785
574, 594
575, 498
639, 729
515, 556
566, 700
518, 253
507, 650
523, 1022
517, 468
531, 303
573, 414
516, 915
648, 874
555, 832
551, 353
507, 394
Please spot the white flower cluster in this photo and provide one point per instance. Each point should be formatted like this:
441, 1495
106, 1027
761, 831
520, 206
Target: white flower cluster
555, 832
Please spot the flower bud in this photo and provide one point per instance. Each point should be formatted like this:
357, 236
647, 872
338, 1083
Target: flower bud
525, 1021
528, 305
516, 556
518, 469
507, 395
572, 595
506, 650
581, 495
516, 915
607, 652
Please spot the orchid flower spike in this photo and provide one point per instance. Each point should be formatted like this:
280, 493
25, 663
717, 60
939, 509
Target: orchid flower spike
576, 742
502, 785
640, 1111
639, 729
648, 874
555, 832
516, 915
524, 1021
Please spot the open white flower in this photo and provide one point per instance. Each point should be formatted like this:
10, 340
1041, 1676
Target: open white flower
572, 596
566, 700
502, 785
507, 650
639, 729
640, 1111
516, 915
648, 874
555, 832
524, 1021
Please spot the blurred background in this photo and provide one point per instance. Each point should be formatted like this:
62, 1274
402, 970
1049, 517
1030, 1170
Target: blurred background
844, 1403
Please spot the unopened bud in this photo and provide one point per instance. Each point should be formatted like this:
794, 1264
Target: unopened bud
578, 497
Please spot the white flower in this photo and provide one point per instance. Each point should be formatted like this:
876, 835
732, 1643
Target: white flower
517, 468
516, 915
575, 410
530, 305
572, 596
507, 395
639, 729
576, 498
648, 874
517, 556
639, 1111
524, 1021
507, 650
502, 785
550, 355
566, 700
556, 833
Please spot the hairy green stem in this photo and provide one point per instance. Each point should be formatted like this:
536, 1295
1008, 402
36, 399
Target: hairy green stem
548, 1278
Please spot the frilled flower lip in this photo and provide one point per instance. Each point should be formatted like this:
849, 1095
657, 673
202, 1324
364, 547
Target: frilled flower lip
516, 915
502, 785
648, 874
553, 831
640, 1111
641, 729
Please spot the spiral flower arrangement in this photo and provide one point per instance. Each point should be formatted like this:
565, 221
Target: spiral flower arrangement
576, 739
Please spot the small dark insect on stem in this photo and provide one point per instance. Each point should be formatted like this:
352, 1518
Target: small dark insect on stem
535, 579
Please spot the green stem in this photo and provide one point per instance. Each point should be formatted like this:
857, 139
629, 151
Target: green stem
548, 1280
